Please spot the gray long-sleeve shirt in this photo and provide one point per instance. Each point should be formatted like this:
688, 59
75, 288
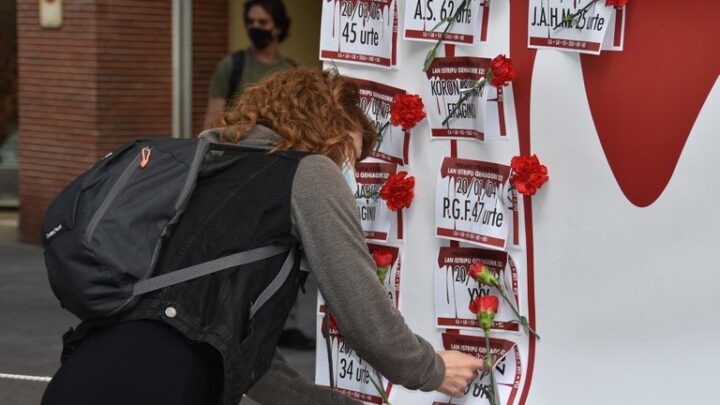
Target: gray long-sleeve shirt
324, 218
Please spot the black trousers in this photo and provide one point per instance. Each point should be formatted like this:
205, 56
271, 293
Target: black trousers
138, 363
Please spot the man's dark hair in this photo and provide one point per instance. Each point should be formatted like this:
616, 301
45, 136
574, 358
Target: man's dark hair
276, 8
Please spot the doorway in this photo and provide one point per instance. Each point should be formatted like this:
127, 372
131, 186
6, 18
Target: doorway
303, 43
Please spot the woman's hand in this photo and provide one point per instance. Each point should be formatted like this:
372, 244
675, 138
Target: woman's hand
460, 370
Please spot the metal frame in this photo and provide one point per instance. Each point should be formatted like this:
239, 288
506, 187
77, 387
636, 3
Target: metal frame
182, 68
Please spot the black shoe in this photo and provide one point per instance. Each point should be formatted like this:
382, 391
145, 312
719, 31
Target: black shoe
296, 340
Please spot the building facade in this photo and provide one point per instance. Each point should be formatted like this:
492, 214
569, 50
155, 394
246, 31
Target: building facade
115, 71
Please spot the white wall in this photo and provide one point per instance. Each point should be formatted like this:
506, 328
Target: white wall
626, 297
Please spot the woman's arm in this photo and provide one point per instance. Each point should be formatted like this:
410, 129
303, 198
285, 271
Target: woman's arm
326, 221
282, 385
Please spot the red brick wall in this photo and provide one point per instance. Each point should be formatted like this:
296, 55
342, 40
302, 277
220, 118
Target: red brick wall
134, 76
101, 80
210, 38
56, 102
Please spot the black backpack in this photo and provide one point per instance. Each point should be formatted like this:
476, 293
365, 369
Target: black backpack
103, 233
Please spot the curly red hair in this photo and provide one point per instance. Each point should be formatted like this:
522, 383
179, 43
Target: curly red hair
312, 109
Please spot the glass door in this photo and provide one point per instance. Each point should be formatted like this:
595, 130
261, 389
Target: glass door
8, 105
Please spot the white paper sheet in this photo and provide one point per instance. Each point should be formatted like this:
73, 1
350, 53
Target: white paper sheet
359, 31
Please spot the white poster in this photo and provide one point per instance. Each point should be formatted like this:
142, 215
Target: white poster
480, 115
351, 375
474, 202
379, 223
425, 20
549, 25
376, 99
455, 289
615, 38
507, 373
359, 31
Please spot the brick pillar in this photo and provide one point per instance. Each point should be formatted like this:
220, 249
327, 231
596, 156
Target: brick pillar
103, 79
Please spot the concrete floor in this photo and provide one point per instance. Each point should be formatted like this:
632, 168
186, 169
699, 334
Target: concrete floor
31, 321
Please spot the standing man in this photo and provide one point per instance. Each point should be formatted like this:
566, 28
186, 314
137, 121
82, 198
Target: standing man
267, 24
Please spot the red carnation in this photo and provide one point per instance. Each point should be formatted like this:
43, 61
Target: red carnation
485, 308
485, 303
501, 71
382, 257
616, 3
383, 260
398, 191
528, 174
483, 274
407, 110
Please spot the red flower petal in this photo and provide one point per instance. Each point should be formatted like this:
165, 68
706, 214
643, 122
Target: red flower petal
501, 71
407, 110
382, 257
398, 191
528, 174
476, 269
486, 303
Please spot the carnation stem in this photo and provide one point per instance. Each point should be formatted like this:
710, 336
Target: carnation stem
380, 136
571, 17
494, 400
371, 194
469, 93
450, 21
490, 365
523, 320
379, 388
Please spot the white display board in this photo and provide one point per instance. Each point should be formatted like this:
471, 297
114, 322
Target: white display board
625, 297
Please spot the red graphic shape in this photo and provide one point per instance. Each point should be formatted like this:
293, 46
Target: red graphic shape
646, 99
523, 60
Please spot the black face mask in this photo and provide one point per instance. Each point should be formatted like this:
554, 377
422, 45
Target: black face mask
260, 38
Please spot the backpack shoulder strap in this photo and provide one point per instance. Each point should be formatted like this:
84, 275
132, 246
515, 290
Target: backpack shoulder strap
213, 266
237, 70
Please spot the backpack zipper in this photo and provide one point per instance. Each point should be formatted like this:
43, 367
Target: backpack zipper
145, 156
115, 190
